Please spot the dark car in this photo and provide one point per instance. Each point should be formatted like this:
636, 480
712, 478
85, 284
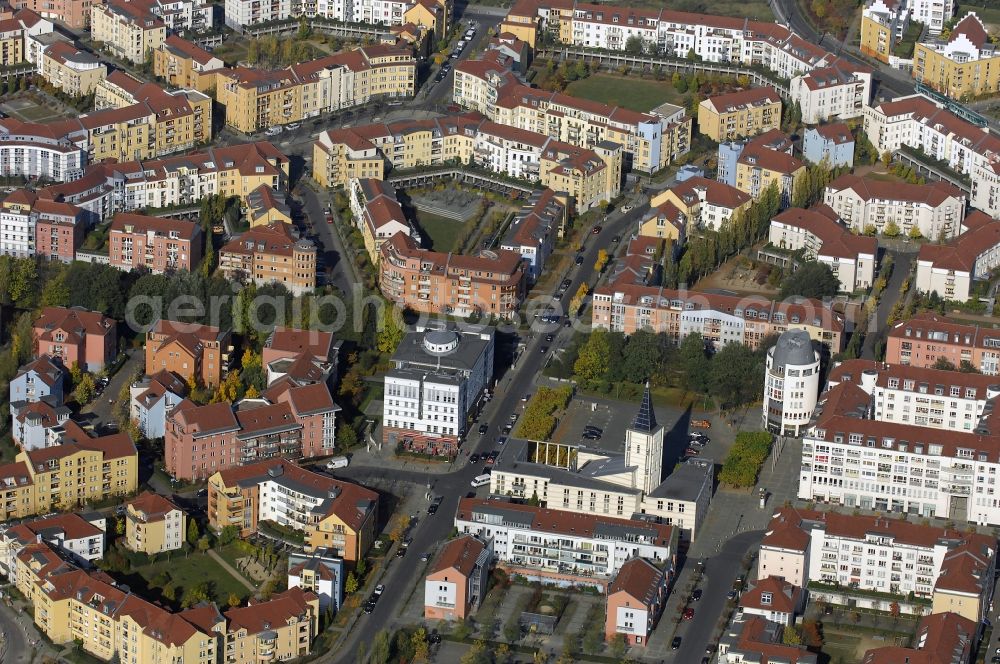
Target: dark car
474, 458
543, 350
597, 229
591, 427
676, 643
483, 428
550, 337
434, 638
566, 283
369, 607
507, 429
579, 260
590, 435
616, 239
432, 508
696, 595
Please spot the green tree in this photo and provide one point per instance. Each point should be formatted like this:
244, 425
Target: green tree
617, 646
351, 584
812, 279
944, 364
347, 437
233, 599
86, 390
693, 362
967, 367
641, 356
361, 567
790, 637
635, 45
195, 594
391, 333
204, 544
915, 233
419, 645
891, 229
193, 533
679, 82
737, 375
592, 363
228, 534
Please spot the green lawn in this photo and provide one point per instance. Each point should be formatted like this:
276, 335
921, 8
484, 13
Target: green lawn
633, 93
186, 572
442, 232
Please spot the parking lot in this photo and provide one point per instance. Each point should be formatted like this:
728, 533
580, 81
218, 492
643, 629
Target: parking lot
613, 417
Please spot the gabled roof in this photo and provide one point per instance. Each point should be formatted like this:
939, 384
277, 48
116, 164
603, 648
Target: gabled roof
459, 554
781, 596
639, 579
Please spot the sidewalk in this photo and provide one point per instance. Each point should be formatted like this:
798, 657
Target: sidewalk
232, 572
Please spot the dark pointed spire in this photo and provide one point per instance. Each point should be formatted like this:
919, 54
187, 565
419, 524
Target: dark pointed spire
645, 419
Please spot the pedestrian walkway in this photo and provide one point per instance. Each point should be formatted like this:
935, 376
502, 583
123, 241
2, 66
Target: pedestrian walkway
229, 568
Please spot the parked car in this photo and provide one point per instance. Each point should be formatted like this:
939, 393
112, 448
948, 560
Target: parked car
591, 427
597, 230
701, 424
543, 350
292, 126
579, 259
483, 428
688, 614
590, 435
506, 430
474, 458
379, 589
626, 209
369, 607
676, 643
550, 337
690, 452
696, 595
566, 283
424, 557
272, 131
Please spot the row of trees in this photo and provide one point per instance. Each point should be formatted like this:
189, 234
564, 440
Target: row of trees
745, 459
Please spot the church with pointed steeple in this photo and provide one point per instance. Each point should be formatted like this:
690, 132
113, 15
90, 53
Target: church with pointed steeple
644, 446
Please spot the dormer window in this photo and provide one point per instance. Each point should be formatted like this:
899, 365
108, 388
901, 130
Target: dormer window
765, 599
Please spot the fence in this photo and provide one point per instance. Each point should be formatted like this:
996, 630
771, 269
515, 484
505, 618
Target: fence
346, 30
457, 174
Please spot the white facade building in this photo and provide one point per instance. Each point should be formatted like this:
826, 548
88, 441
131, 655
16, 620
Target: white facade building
791, 383
565, 548
841, 90
935, 209
439, 373
81, 538
951, 269
920, 124
820, 236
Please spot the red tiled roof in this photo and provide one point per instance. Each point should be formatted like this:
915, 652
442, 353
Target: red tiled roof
784, 596
459, 554
933, 193
750, 97
837, 240
154, 506
140, 224
273, 613
960, 253
640, 579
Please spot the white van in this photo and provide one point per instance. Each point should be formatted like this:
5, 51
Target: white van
338, 462
480, 480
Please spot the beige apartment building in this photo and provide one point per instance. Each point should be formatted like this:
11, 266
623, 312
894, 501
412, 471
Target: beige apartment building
154, 525
255, 99
184, 64
271, 254
965, 65
127, 28
767, 160
935, 210
74, 470
71, 70
740, 114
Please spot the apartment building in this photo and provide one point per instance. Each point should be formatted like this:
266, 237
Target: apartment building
265, 206
271, 254
935, 210
59, 229
457, 580
739, 114
534, 541
158, 244
791, 383
342, 155
73, 471
883, 24
965, 65
154, 525
635, 601
926, 397
832, 144
287, 421
891, 557
951, 269
940, 637
767, 161
31, 151
18, 225
79, 538
184, 64
919, 124
435, 15
378, 215
21, 35
439, 373
71, 70
838, 91
818, 233
533, 232
128, 28
491, 283
649, 141
188, 350
74, 14
255, 99
76, 336
336, 516
897, 467
321, 573
287, 346
152, 397
925, 338
702, 203
720, 319
40, 379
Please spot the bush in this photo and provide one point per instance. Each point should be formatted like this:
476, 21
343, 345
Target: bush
745, 459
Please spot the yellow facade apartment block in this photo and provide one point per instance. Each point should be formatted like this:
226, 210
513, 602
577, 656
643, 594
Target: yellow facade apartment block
71, 70
68, 475
589, 181
127, 28
154, 525
739, 114
184, 64
965, 65
335, 164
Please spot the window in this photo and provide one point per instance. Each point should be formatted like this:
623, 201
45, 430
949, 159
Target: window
765, 598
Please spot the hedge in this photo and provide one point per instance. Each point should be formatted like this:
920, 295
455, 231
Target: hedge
745, 459
539, 420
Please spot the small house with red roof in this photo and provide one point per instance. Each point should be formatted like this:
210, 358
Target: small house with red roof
635, 601
774, 599
456, 582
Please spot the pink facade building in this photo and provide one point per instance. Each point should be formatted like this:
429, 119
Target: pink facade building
74, 13
924, 339
288, 421
161, 245
76, 336
59, 230
635, 601
456, 583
